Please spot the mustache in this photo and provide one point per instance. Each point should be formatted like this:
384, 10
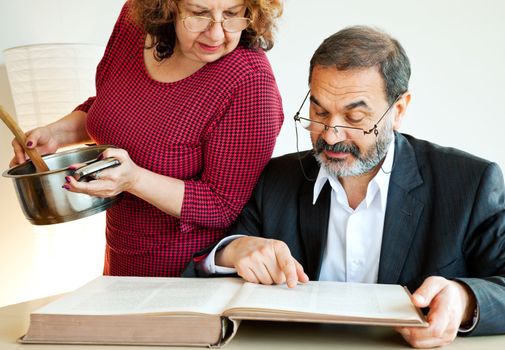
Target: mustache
340, 147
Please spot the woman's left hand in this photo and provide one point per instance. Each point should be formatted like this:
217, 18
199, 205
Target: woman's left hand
110, 181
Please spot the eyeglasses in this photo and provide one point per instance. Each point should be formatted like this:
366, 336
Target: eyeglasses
352, 132
198, 24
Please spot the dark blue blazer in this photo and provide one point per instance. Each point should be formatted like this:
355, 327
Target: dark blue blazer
445, 216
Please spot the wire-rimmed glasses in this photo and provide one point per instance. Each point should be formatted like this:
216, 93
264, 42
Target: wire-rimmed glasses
198, 24
351, 132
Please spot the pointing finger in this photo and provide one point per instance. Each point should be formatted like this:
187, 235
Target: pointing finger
286, 263
302, 276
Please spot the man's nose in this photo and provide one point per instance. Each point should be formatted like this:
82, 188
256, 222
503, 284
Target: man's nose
334, 135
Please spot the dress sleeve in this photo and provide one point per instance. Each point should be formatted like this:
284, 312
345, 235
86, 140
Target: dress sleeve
235, 152
121, 22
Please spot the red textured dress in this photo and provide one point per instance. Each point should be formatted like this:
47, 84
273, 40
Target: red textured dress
215, 130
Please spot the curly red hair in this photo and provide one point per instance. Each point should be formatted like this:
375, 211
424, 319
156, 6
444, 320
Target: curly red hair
156, 17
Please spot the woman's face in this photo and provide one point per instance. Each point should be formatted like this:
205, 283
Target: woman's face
213, 42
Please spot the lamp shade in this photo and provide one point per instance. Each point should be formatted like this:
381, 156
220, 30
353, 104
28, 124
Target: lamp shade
49, 80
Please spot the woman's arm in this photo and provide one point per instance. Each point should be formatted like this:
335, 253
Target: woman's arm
235, 151
66, 131
71, 129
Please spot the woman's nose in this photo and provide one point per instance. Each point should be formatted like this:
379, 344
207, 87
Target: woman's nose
216, 31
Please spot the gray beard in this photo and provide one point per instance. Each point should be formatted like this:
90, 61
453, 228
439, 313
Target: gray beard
364, 163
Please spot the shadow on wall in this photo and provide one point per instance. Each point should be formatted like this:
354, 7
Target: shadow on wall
17, 246
34, 259
8, 199
5, 96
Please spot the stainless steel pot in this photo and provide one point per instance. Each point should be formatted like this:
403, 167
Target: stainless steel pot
41, 195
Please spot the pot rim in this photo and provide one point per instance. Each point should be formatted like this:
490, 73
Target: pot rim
7, 173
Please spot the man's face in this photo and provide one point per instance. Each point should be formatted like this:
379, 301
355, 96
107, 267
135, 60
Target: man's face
354, 98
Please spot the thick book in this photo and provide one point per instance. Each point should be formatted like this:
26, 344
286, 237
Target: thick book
207, 311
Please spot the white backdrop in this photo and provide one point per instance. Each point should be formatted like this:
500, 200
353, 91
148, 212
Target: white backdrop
457, 53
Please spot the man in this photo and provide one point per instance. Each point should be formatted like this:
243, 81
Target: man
369, 204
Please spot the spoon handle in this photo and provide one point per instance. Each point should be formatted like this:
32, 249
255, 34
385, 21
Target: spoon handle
35, 157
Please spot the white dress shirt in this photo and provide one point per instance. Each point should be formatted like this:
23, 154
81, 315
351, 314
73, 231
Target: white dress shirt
354, 238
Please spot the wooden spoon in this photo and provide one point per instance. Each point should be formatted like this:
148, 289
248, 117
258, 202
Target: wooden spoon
37, 160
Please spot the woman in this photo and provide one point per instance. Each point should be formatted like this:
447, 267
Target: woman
186, 93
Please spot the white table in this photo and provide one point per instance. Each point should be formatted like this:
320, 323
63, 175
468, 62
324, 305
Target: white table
14, 321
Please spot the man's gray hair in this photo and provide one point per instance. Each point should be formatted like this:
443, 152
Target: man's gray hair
365, 47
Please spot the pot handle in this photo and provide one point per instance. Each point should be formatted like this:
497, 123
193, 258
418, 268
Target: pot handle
86, 172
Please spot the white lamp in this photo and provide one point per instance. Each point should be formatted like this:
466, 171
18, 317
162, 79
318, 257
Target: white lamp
49, 80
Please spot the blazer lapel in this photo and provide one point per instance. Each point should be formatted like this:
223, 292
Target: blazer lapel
403, 212
314, 224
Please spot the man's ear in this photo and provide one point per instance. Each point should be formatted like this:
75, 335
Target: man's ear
400, 108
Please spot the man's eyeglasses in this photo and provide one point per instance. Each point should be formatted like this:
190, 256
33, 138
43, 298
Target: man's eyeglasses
351, 132
198, 24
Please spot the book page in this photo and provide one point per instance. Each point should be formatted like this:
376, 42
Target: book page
329, 298
108, 295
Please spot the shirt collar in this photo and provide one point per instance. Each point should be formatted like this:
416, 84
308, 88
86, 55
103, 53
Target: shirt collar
380, 180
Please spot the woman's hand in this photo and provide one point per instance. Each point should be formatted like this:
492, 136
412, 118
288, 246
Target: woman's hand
69, 130
164, 192
108, 182
41, 139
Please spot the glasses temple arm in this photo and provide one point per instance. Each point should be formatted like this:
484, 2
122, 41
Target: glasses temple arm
374, 129
297, 114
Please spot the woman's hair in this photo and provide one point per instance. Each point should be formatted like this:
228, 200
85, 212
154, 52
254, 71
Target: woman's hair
156, 17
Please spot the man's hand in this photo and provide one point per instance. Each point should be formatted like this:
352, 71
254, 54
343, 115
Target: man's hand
451, 305
260, 260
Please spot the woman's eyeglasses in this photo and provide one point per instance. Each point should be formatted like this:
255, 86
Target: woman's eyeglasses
197, 24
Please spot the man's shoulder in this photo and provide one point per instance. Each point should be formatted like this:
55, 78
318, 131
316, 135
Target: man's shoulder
289, 171
431, 152
442, 165
291, 163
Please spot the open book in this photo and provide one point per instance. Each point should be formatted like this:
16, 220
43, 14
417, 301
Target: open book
207, 311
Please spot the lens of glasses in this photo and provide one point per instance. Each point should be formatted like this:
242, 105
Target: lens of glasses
197, 24
234, 25
350, 133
